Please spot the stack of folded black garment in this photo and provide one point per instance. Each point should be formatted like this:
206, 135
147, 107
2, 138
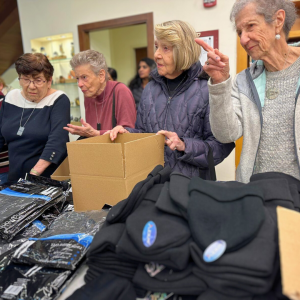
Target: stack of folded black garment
26, 191
157, 240
40, 266
24, 202
35, 229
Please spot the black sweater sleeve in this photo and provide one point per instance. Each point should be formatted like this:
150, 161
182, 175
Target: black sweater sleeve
55, 149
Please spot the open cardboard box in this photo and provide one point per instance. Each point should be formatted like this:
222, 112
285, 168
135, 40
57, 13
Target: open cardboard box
103, 171
289, 244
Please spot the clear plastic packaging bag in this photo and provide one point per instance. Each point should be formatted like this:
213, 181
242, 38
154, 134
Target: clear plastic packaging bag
65, 243
20, 282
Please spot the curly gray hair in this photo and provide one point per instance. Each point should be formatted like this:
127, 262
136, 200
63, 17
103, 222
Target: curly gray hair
268, 8
91, 57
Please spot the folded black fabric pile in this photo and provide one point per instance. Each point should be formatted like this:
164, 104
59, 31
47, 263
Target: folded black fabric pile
23, 203
35, 229
154, 240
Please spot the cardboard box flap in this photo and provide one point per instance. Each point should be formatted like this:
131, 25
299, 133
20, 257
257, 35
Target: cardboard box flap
125, 138
97, 139
96, 159
63, 169
143, 153
121, 138
289, 244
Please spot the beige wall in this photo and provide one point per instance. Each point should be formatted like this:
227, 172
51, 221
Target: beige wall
117, 45
123, 42
100, 41
42, 18
37, 19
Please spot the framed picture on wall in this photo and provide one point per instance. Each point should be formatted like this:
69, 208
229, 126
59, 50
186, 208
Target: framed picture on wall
210, 37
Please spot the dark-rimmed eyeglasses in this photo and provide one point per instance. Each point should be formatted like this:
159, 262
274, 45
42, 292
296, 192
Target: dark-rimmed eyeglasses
36, 82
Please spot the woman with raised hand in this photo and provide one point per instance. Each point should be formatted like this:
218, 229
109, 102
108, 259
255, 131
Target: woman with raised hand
260, 103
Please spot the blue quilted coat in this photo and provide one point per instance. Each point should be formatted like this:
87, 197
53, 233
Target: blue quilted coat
187, 114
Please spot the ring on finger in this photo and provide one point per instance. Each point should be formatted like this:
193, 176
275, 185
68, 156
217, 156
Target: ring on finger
207, 62
175, 148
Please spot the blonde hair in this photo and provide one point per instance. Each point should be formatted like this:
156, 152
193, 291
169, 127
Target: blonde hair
181, 35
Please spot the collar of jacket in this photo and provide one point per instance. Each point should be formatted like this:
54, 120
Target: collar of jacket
192, 75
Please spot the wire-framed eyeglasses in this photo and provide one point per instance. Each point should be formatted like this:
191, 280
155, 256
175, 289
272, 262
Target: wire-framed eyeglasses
36, 82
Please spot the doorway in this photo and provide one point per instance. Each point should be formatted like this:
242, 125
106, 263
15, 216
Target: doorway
118, 45
118, 40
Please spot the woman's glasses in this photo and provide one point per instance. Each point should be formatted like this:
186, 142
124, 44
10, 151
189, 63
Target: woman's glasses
36, 82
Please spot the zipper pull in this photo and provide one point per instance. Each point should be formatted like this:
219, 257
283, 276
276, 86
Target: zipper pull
169, 100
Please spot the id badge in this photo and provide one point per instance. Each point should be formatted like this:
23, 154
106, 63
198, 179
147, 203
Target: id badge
20, 131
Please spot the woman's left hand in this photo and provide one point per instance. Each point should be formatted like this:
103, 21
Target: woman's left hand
172, 141
85, 130
113, 133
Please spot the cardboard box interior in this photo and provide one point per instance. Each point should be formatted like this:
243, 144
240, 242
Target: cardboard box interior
103, 171
62, 172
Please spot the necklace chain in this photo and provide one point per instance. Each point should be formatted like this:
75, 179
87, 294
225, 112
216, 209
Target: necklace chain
176, 86
28, 117
272, 92
101, 110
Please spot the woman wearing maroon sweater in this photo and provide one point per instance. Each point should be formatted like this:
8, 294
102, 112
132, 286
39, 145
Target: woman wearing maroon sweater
91, 72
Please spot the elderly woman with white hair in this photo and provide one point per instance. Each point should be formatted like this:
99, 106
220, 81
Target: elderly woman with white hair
260, 103
107, 103
175, 103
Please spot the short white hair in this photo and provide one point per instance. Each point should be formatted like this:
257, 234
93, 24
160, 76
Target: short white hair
268, 8
90, 57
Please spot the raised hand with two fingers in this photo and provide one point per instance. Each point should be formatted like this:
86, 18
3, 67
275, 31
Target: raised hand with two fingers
217, 64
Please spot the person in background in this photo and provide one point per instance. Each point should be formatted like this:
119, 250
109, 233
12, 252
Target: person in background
4, 89
2, 85
260, 103
112, 74
92, 77
32, 120
175, 103
138, 83
4, 162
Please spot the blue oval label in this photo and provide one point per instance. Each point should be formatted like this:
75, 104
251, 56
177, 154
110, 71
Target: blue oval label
149, 234
214, 251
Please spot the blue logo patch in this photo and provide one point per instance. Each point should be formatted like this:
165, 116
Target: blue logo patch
149, 234
214, 251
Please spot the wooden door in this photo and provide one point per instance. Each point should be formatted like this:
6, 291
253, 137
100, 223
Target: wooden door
139, 54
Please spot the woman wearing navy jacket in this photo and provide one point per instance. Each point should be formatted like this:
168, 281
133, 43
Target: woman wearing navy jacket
175, 103
32, 120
